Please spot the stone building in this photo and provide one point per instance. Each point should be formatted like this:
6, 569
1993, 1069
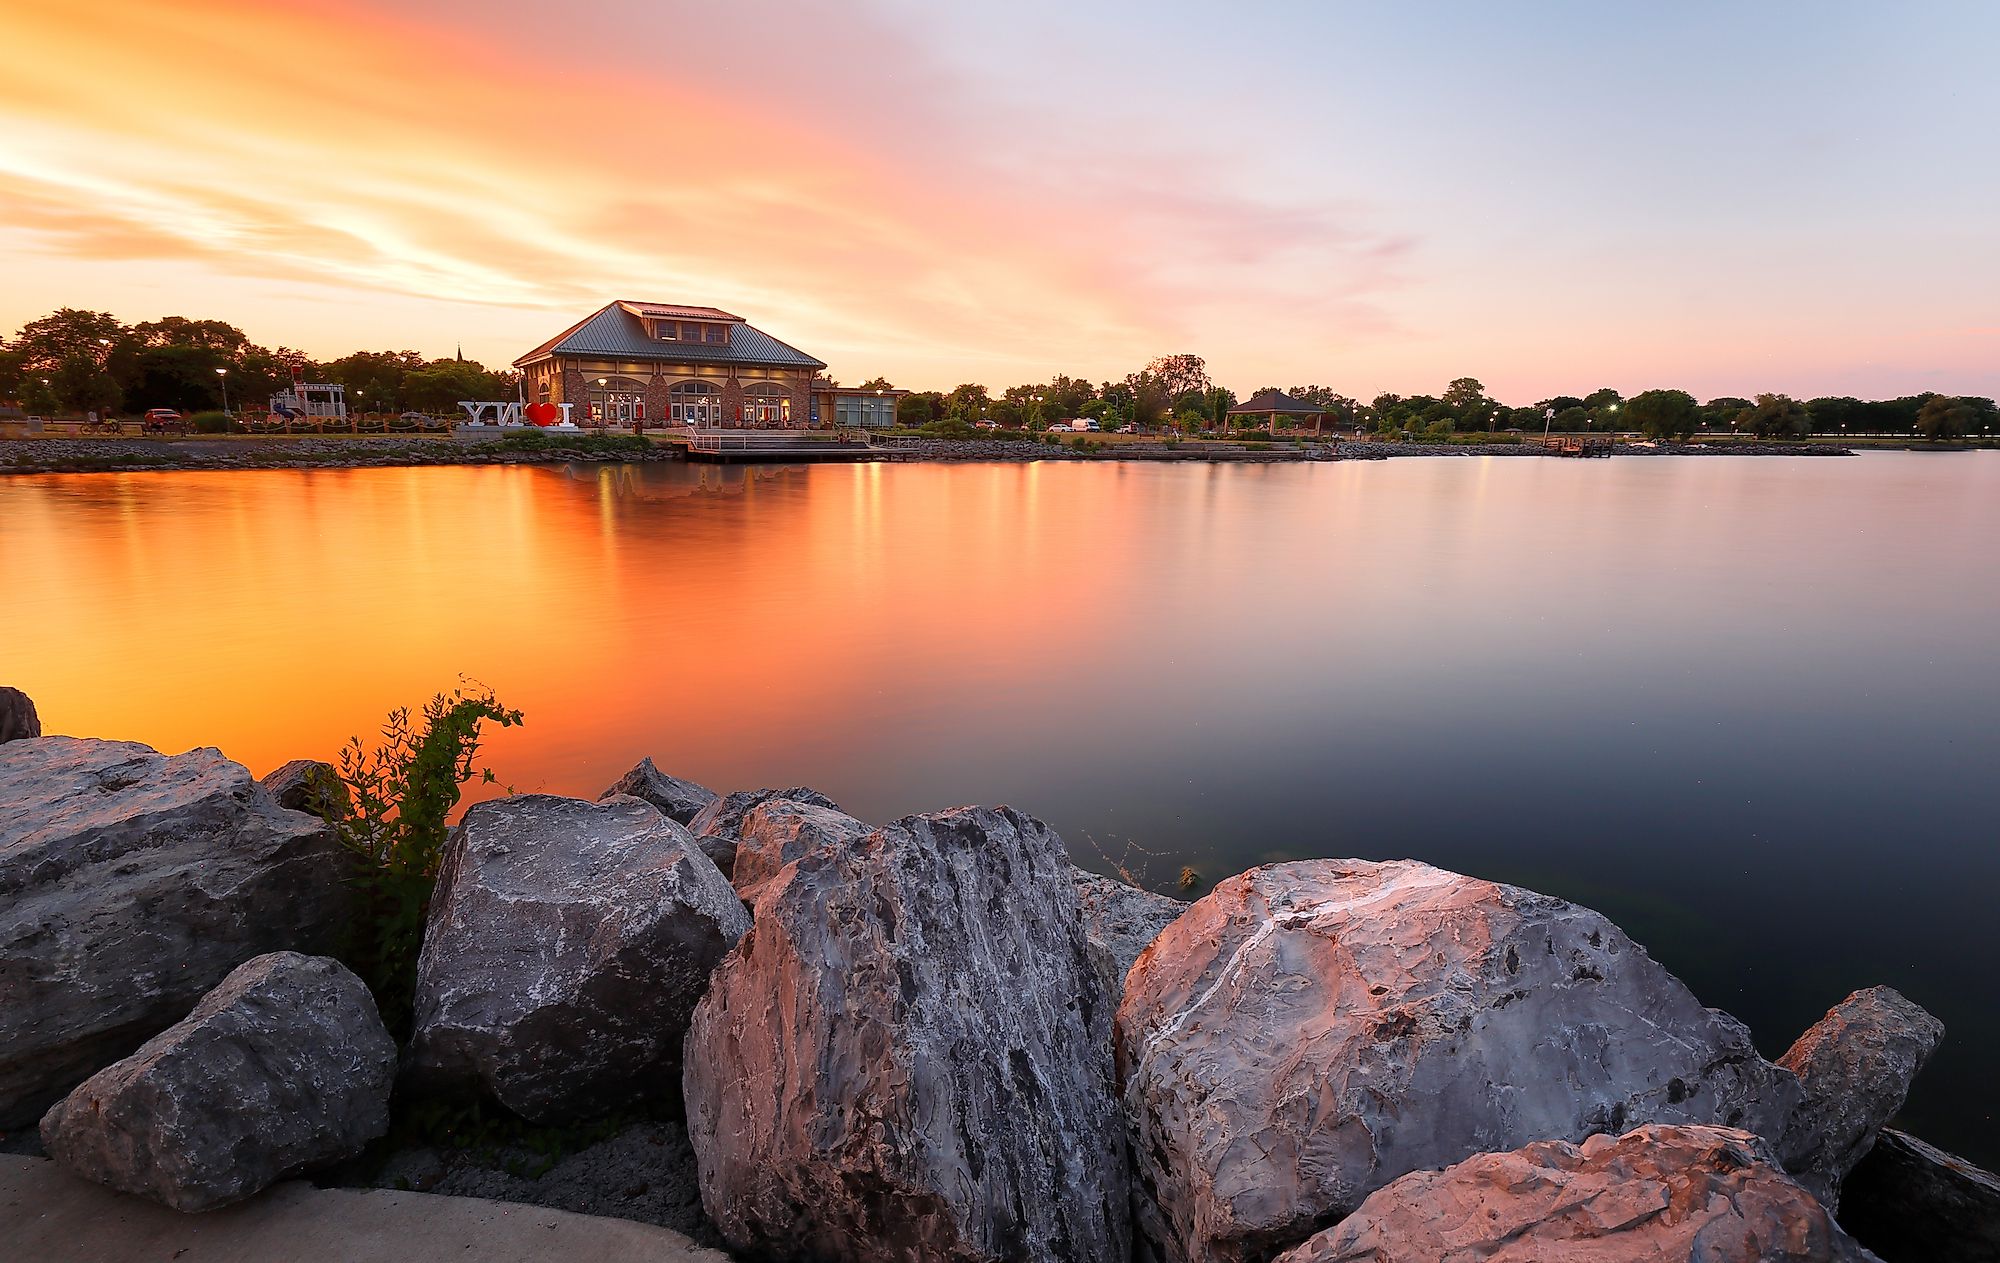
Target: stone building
662, 364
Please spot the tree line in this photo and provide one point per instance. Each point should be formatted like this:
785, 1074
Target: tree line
1174, 392
72, 362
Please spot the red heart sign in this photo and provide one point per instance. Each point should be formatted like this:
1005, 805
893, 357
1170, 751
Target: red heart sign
543, 413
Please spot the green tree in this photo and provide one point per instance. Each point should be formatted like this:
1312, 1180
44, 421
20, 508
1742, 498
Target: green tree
72, 350
438, 386
1179, 375
1466, 400
1945, 417
1775, 416
1663, 414
13, 372
967, 403
919, 408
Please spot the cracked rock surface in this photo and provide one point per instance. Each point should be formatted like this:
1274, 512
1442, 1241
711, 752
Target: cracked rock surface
567, 945
677, 799
1855, 1066
1659, 1193
907, 1057
1307, 1032
1121, 920
284, 1067
780, 830
718, 825
132, 882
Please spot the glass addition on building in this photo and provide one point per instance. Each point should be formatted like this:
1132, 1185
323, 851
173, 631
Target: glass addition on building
875, 410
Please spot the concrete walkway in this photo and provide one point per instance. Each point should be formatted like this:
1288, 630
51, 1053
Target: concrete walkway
47, 1216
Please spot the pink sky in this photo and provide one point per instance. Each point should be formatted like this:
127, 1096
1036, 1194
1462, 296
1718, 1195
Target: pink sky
943, 195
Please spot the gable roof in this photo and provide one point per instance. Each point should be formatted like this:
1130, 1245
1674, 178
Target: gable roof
1274, 400
616, 330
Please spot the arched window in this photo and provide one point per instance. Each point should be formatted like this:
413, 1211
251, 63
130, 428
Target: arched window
616, 400
695, 403
767, 405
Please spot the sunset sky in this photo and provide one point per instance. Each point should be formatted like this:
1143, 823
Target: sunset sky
1547, 196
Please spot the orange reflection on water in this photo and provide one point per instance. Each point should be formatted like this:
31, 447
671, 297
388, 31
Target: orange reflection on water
730, 622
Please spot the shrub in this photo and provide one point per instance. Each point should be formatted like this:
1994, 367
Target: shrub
393, 828
212, 423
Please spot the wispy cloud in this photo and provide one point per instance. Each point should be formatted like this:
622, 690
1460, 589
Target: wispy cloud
398, 158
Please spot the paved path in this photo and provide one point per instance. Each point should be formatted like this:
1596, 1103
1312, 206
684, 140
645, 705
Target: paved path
49, 1217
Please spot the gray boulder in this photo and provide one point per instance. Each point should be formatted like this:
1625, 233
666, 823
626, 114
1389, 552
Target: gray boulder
18, 720
1307, 1032
678, 800
1701, 1194
780, 830
718, 826
1913, 1203
906, 1057
131, 883
1121, 921
567, 944
310, 786
1855, 1066
284, 1067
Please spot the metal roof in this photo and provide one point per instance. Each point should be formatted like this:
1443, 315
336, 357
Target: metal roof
1274, 400
617, 333
671, 312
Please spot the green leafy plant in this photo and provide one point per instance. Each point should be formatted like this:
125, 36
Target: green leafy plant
211, 423
400, 795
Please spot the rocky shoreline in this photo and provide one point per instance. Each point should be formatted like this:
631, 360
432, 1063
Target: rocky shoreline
137, 455
125, 455
793, 1034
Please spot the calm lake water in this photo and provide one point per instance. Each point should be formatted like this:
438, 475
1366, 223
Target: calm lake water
1747, 707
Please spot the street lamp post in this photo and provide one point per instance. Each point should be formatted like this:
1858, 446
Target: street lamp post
223, 373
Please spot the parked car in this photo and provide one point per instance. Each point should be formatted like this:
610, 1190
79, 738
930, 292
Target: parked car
161, 419
985, 425
1084, 425
1059, 427
1127, 428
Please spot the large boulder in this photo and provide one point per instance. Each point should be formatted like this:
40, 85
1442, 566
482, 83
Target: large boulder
1699, 1194
1307, 1032
1855, 1066
780, 830
906, 1057
131, 883
718, 825
1120, 921
18, 720
567, 944
284, 1067
678, 800
1913, 1203
310, 786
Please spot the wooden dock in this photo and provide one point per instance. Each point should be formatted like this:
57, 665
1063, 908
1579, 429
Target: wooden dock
742, 447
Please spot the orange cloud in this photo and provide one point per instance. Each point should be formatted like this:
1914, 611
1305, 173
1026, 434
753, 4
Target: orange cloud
396, 159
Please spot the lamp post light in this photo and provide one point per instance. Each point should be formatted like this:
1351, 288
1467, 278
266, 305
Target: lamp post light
223, 374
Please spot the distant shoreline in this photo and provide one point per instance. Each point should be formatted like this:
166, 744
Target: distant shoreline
143, 455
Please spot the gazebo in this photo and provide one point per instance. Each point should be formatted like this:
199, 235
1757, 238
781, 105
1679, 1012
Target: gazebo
1272, 403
